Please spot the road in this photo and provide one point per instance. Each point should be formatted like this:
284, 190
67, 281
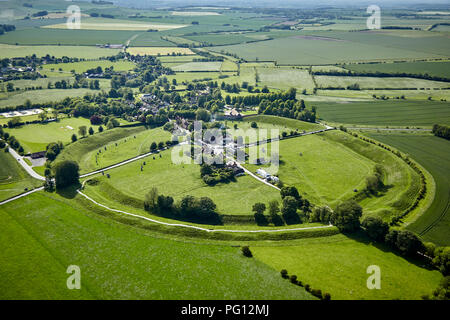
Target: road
25, 165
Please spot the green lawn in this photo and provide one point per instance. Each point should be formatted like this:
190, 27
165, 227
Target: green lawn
13, 179
35, 137
385, 113
338, 265
43, 234
433, 154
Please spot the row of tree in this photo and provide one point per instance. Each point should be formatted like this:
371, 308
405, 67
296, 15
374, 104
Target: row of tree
190, 208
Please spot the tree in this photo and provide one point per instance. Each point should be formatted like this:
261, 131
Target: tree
100, 129
375, 228
74, 137
254, 125
321, 214
260, 218
246, 252
289, 210
66, 173
91, 131
408, 243
151, 199
153, 146
346, 216
203, 115
82, 131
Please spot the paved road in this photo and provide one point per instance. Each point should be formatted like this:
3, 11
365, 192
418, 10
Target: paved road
25, 165
21, 195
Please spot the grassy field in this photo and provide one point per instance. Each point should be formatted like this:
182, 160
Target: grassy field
432, 153
386, 113
13, 179
327, 168
154, 51
10, 51
284, 78
42, 96
179, 180
118, 261
81, 67
123, 149
35, 137
338, 265
436, 69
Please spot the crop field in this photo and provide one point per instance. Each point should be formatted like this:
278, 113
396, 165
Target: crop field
338, 265
386, 113
35, 137
38, 246
42, 96
372, 82
81, 67
13, 179
74, 37
432, 153
198, 66
9, 51
329, 48
40, 82
118, 25
436, 69
154, 51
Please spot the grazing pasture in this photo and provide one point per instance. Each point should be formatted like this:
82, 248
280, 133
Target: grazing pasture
198, 66
373, 83
433, 154
286, 77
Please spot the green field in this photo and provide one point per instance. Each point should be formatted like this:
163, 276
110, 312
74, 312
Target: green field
118, 261
284, 78
386, 113
179, 180
10, 51
328, 168
432, 153
372, 82
315, 48
436, 69
198, 66
338, 265
13, 179
35, 137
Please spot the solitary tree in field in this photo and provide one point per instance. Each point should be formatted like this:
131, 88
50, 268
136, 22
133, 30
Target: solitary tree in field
74, 137
82, 131
153, 146
66, 173
91, 131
